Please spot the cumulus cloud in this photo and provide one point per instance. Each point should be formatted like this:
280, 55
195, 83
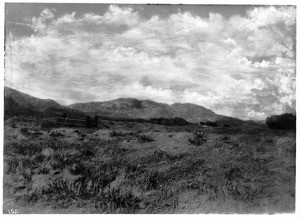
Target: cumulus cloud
232, 65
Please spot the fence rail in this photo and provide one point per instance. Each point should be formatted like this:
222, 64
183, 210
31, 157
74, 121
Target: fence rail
87, 122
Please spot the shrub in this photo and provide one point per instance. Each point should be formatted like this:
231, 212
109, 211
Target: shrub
115, 133
131, 168
31, 197
28, 151
144, 138
12, 165
87, 153
164, 197
22, 165
83, 187
55, 145
25, 131
199, 138
155, 157
47, 123
195, 184
283, 121
13, 125
151, 180
77, 168
58, 160
61, 193
43, 170
116, 199
260, 148
269, 139
225, 137
56, 134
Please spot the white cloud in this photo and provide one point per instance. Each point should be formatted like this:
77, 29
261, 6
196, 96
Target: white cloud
263, 64
41, 22
225, 64
264, 16
124, 15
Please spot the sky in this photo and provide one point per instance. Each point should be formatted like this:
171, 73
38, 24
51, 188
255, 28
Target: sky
237, 60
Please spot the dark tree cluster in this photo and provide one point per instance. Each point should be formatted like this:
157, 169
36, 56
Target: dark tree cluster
283, 121
209, 123
176, 121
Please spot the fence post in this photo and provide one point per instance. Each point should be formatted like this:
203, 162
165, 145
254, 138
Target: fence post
87, 121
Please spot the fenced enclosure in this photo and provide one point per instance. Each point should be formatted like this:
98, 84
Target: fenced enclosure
89, 122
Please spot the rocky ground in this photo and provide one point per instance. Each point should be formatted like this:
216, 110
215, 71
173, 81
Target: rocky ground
145, 168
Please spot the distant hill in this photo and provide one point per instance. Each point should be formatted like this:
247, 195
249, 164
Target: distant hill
27, 101
17, 103
146, 109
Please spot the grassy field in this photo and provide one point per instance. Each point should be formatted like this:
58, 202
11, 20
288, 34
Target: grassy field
147, 168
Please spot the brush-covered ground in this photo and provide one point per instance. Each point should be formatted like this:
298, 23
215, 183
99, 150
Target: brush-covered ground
146, 168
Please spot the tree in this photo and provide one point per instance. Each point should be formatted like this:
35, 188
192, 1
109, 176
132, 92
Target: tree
283, 121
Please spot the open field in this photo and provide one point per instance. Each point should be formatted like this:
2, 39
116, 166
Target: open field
146, 168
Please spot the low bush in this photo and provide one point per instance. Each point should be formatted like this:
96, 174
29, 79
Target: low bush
13, 124
152, 179
43, 170
269, 139
25, 131
225, 137
29, 149
126, 201
155, 157
47, 123
199, 138
59, 160
56, 134
261, 148
20, 164
115, 133
131, 168
144, 138
29, 198
77, 168
164, 197
11, 165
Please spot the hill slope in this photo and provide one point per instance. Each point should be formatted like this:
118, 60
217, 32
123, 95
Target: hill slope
26, 101
18, 103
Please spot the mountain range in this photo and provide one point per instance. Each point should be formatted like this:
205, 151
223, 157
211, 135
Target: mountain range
18, 103
145, 109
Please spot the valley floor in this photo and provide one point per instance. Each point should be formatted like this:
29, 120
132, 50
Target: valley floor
145, 168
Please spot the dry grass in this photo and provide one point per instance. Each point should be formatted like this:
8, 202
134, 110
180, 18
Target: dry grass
252, 170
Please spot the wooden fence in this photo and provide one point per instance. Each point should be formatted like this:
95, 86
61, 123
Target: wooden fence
93, 122
77, 122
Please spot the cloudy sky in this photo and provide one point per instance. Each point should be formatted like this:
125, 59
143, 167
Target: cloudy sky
235, 60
